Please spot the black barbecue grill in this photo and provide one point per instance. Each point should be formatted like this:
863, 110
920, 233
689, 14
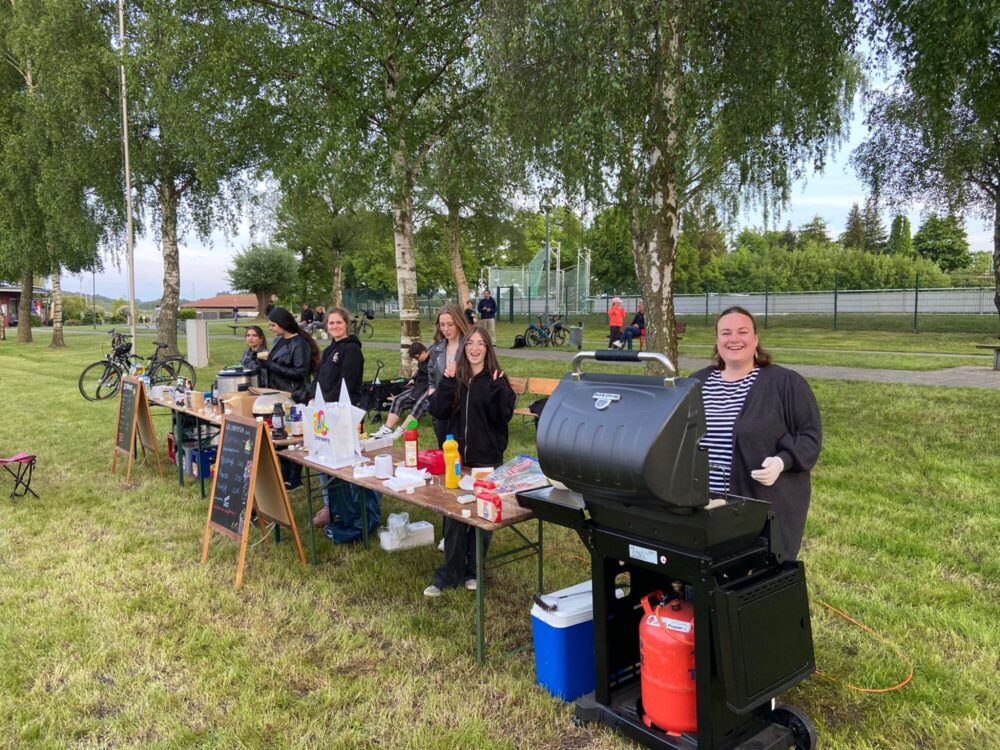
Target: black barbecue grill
626, 447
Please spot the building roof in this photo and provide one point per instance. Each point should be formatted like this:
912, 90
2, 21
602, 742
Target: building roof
15, 288
225, 302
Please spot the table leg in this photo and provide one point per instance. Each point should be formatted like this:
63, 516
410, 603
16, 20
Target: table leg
179, 446
309, 501
540, 561
480, 595
364, 518
201, 474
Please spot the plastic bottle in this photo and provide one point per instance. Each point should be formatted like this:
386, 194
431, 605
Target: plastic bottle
410, 438
452, 463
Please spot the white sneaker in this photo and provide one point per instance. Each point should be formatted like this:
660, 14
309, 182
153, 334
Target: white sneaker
382, 432
470, 584
616, 344
432, 590
397, 433
441, 544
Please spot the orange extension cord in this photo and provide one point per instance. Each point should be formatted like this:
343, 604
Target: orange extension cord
899, 652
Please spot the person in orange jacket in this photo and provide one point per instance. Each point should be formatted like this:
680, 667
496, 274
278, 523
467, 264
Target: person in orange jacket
616, 320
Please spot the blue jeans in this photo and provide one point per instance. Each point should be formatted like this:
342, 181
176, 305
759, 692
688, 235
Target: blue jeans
344, 501
628, 333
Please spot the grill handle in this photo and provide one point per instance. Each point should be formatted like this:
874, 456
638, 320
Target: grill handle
610, 355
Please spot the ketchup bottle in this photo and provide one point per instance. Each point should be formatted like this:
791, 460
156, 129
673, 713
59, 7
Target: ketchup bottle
410, 437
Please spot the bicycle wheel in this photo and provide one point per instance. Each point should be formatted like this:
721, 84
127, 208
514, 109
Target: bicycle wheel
367, 330
99, 381
167, 371
559, 337
532, 337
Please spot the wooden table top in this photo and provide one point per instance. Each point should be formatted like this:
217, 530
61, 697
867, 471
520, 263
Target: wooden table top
435, 497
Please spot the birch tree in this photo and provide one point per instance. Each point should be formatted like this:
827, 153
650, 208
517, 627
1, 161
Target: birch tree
396, 74
652, 104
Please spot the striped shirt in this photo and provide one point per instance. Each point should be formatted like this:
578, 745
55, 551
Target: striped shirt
723, 403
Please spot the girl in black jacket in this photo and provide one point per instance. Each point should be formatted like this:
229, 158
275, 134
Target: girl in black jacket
293, 357
289, 367
474, 397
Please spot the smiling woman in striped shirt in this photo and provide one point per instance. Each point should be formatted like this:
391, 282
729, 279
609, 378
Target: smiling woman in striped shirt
764, 432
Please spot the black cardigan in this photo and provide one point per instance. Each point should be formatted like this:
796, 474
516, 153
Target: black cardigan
780, 417
479, 420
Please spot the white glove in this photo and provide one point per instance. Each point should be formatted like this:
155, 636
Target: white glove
769, 471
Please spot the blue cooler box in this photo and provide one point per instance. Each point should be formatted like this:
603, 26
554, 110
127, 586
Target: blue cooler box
564, 642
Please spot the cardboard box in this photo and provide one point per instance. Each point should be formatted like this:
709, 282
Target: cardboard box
240, 404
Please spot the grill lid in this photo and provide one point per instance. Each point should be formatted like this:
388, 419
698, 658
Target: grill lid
630, 439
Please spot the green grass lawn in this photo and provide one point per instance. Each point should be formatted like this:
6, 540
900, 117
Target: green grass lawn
112, 634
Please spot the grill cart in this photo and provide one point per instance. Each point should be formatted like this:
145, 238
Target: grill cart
699, 574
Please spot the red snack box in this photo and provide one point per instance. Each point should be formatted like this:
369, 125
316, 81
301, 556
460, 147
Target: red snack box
489, 506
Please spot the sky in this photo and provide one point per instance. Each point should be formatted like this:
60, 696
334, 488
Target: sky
204, 265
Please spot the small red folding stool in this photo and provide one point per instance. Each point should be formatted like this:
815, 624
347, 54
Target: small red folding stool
20, 466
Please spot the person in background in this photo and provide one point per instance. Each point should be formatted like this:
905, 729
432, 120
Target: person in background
635, 328
475, 400
764, 431
450, 330
470, 313
487, 315
306, 318
288, 366
271, 305
256, 343
414, 396
236, 314
616, 319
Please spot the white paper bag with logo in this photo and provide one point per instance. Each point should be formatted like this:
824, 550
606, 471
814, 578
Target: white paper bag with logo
331, 434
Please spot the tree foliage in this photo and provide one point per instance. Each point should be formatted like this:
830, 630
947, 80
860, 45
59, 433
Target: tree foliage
935, 133
900, 239
263, 270
943, 240
854, 229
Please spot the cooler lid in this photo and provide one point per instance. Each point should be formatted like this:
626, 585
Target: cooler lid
571, 606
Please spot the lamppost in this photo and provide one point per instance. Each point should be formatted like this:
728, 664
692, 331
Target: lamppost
547, 208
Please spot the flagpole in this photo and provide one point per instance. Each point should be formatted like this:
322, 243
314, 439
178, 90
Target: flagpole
130, 233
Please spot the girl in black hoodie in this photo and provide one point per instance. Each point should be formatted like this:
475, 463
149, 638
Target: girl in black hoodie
343, 363
477, 402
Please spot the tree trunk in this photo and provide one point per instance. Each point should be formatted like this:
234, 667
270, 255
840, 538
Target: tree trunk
996, 251
453, 231
24, 308
337, 278
169, 198
261, 304
656, 215
57, 311
406, 262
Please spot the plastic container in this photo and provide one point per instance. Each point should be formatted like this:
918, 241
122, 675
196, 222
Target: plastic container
452, 463
411, 436
564, 642
433, 461
203, 462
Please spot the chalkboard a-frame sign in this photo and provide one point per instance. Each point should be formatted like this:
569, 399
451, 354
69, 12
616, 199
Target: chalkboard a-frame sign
247, 476
134, 421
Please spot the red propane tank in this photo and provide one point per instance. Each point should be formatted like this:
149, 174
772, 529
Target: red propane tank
666, 648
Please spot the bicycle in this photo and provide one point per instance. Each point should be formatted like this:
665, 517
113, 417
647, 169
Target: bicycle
101, 380
361, 328
553, 334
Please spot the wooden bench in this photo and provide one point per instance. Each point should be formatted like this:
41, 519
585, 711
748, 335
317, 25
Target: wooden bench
996, 353
533, 387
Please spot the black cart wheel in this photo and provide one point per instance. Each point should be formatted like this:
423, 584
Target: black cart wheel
801, 726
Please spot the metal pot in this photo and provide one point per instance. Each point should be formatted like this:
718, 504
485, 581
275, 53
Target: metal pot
232, 378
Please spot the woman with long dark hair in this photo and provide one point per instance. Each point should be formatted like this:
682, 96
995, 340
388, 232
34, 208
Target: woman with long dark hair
764, 431
475, 402
449, 331
256, 343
